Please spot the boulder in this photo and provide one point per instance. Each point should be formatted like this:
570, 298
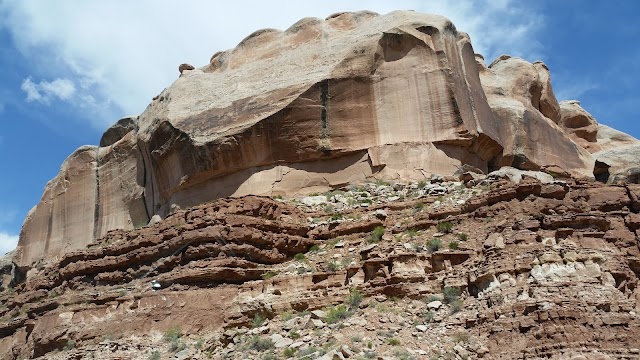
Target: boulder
521, 98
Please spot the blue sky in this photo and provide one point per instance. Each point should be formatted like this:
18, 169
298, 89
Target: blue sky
72, 68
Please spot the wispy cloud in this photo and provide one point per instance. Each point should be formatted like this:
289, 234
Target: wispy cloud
8, 242
573, 90
44, 91
118, 69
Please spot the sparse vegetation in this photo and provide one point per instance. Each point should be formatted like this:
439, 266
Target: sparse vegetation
453, 245
289, 353
461, 337
376, 234
434, 245
333, 266
354, 299
336, 313
422, 184
277, 197
336, 217
314, 248
444, 227
259, 343
258, 320
70, 345
455, 306
412, 233
155, 355
462, 236
269, 274
419, 206
450, 295
428, 316
299, 257
393, 341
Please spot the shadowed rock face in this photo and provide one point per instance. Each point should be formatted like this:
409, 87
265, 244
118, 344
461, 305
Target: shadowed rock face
317, 106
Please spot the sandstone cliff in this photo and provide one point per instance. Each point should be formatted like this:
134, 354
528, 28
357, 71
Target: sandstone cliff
322, 104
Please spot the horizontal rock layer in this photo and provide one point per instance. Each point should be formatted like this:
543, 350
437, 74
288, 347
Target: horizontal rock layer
549, 269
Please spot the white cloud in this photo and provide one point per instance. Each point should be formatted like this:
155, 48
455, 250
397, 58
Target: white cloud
8, 242
121, 53
44, 91
572, 90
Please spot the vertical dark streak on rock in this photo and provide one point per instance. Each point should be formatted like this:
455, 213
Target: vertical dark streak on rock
324, 98
144, 181
96, 210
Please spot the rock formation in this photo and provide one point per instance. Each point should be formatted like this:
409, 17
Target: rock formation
322, 104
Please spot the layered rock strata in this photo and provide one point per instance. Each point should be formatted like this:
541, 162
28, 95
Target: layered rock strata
545, 270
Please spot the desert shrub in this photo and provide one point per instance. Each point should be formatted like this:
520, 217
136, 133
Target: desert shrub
422, 184
455, 306
453, 245
462, 236
428, 316
419, 206
333, 266
336, 313
444, 227
393, 341
376, 234
336, 216
259, 343
461, 337
257, 321
434, 245
289, 352
268, 275
354, 299
412, 233
450, 294
299, 257
172, 334
155, 355
70, 345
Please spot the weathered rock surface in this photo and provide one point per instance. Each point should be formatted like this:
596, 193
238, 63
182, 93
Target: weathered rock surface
520, 96
322, 104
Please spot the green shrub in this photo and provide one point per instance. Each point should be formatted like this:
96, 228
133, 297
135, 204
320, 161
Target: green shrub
299, 257
289, 352
70, 345
336, 313
422, 184
309, 351
462, 236
172, 334
336, 216
257, 321
428, 316
268, 275
461, 336
393, 341
376, 234
456, 306
431, 298
354, 299
277, 197
434, 245
314, 248
155, 355
259, 343
412, 233
419, 206
294, 335
450, 294
333, 266
445, 227
453, 245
